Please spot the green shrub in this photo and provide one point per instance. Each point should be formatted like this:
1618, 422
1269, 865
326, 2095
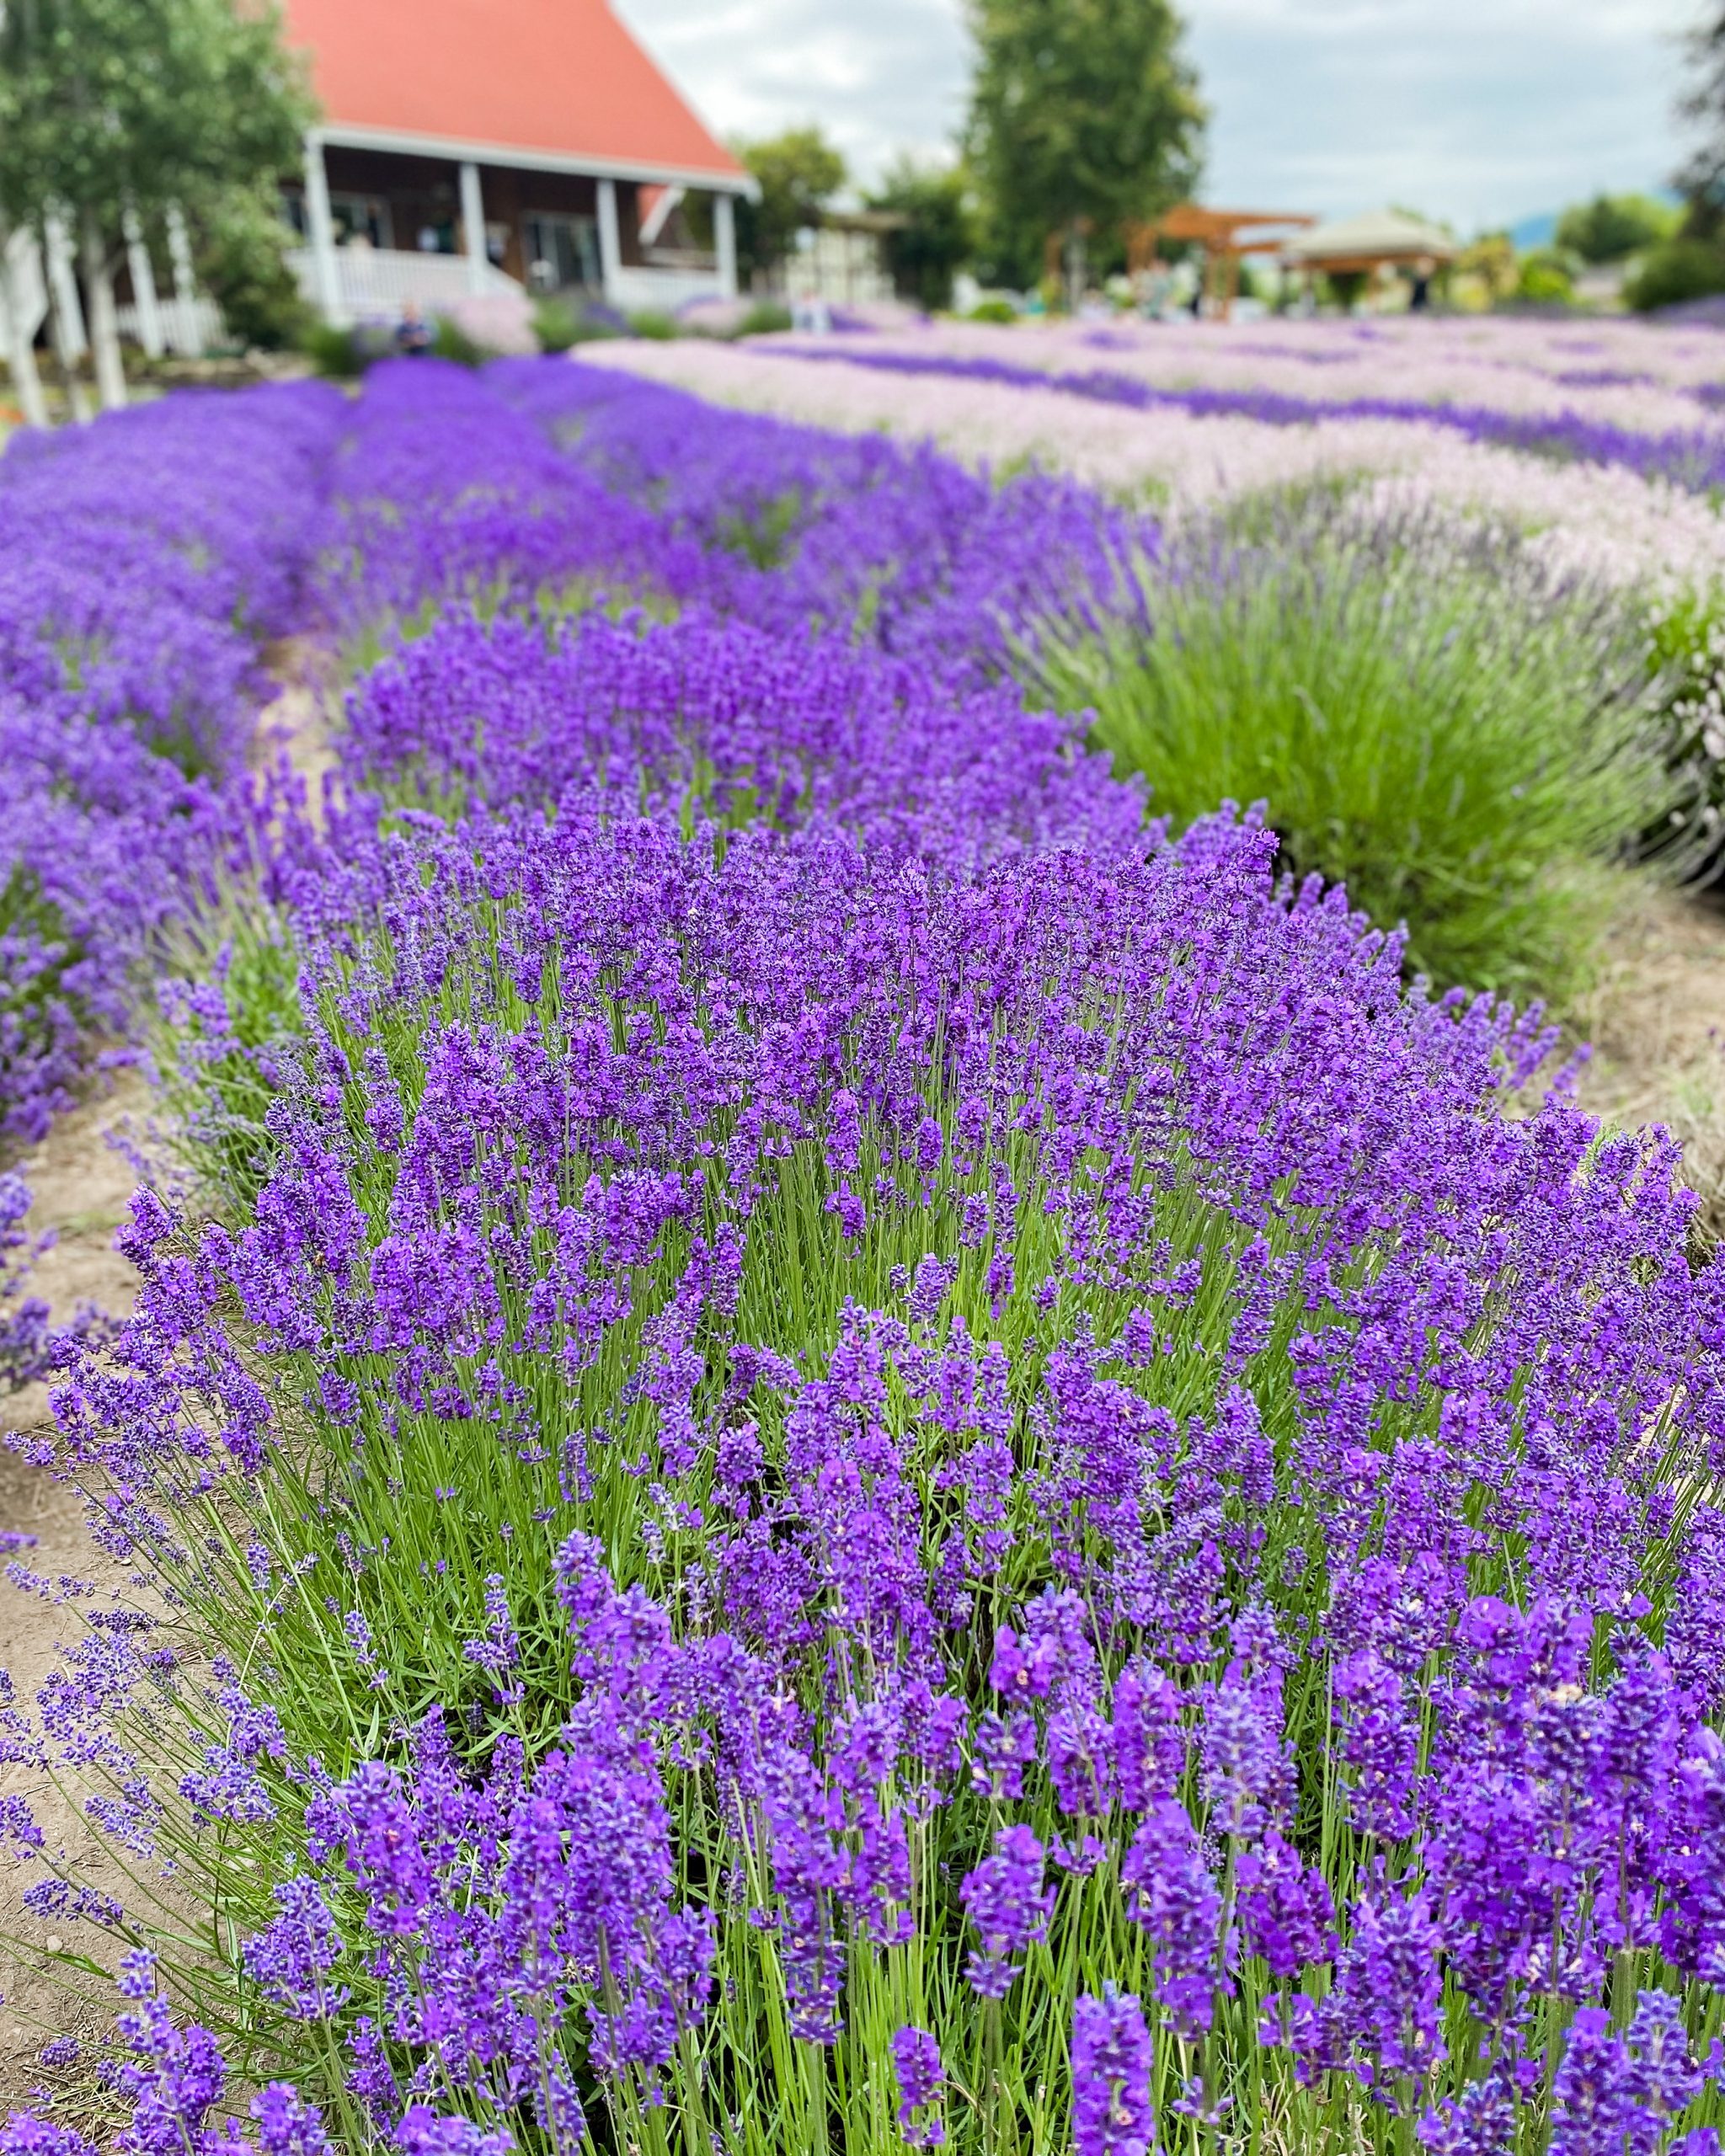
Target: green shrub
560, 326
1681, 269
338, 354
1002, 311
652, 323
242, 264
450, 341
766, 318
1545, 275
1427, 720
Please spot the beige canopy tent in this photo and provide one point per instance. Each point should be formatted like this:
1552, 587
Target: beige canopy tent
1367, 243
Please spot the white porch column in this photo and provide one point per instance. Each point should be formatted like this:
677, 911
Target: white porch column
320, 235
473, 227
611, 249
143, 288
724, 243
183, 329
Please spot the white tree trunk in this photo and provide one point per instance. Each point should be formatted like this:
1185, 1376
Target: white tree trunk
66, 320
105, 316
143, 288
20, 335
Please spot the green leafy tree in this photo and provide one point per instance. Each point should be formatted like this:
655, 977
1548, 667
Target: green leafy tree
939, 238
242, 264
799, 173
112, 109
1611, 227
1084, 115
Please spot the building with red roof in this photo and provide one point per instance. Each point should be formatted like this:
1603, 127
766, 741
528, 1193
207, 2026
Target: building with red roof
470, 147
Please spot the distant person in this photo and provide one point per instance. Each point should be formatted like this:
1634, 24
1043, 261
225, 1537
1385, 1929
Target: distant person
414, 334
1421, 296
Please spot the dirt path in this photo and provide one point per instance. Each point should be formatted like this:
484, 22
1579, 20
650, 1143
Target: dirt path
1657, 1023
81, 1186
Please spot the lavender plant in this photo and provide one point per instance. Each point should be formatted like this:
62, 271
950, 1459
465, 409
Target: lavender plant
866, 1458
816, 1453
1431, 716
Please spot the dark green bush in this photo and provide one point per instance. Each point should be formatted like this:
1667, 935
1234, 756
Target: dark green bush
652, 322
1681, 269
1002, 311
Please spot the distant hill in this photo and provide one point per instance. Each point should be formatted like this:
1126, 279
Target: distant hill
1534, 231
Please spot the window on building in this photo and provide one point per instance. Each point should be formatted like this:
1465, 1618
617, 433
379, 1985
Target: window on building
561, 250
361, 219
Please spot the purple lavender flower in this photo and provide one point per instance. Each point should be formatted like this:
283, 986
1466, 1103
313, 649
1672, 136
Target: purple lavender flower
1171, 1893
1112, 2061
916, 2063
1008, 1907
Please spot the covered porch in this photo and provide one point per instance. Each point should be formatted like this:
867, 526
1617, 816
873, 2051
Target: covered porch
385, 224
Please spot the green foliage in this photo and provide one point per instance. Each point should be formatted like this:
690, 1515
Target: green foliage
1427, 720
1081, 111
1680, 270
940, 238
560, 326
340, 355
1001, 311
654, 323
1545, 275
766, 318
799, 173
1343, 287
111, 103
242, 265
1611, 227
450, 341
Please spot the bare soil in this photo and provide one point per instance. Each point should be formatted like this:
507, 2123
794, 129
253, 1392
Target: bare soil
1657, 1023
81, 1186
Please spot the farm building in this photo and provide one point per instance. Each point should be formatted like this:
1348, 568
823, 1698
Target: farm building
476, 146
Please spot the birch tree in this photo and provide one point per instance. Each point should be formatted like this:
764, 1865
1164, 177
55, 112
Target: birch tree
113, 111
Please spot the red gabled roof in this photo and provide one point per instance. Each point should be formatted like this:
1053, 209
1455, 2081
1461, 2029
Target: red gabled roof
561, 77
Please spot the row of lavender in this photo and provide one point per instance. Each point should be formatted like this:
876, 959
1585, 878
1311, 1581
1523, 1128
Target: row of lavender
864, 1456
142, 568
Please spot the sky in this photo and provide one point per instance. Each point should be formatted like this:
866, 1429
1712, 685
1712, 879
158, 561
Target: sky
1482, 112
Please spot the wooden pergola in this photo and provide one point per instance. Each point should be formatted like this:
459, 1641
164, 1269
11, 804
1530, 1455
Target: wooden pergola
1223, 234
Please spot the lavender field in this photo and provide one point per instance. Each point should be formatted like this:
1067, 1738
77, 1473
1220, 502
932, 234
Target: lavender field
884, 1391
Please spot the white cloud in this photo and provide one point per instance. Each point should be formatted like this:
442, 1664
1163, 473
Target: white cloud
1478, 110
